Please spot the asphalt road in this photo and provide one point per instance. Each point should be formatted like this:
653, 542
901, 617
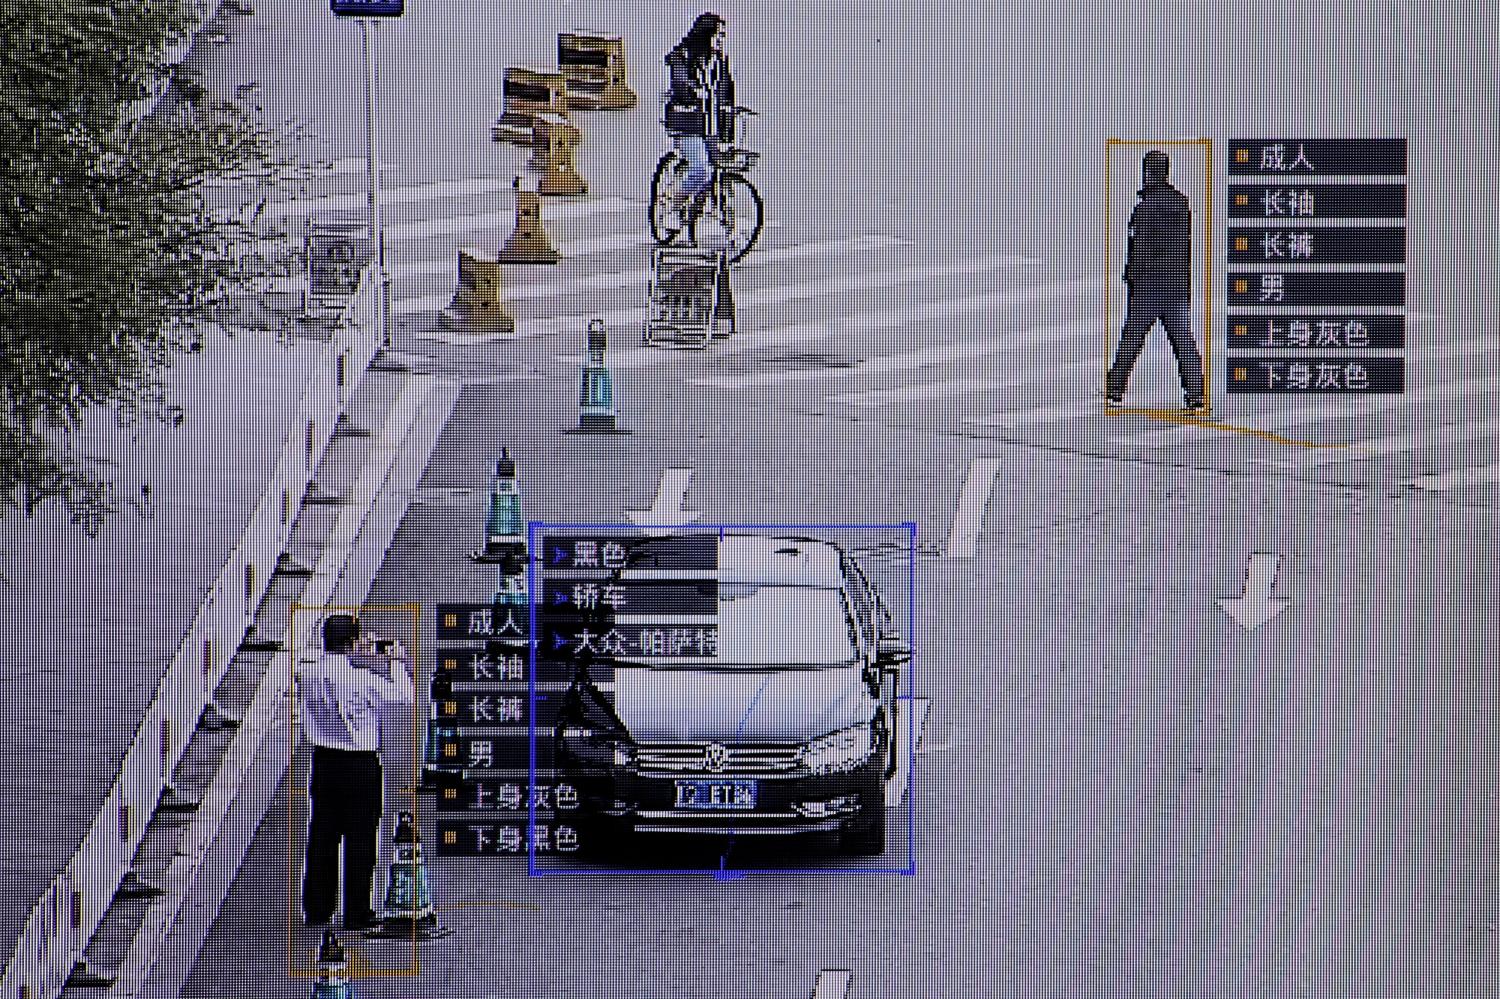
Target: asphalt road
1119, 789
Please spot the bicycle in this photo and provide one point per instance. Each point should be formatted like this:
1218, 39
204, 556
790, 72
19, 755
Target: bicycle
730, 197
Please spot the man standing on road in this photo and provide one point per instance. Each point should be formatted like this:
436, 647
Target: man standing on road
342, 695
1158, 272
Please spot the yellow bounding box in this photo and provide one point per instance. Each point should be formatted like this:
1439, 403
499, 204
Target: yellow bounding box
595, 69
526, 94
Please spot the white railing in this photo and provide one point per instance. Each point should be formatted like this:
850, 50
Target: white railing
70, 910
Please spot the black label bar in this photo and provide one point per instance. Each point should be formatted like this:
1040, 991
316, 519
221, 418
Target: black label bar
1312, 375
1322, 245
1341, 332
1349, 157
508, 794
1316, 288
500, 751
481, 838
1291, 201
481, 621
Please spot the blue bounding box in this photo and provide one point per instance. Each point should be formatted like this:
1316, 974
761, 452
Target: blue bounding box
555, 570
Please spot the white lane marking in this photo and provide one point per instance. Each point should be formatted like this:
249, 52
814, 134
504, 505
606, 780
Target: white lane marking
909, 726
833, 983
504, 222
865, 322
923, 357
1051, 376
1398, 444
1339, 408
918, 392
399, 195
1031, 417
963, 536
666, 509
448, 265
772, 295
642, 275
1482, 475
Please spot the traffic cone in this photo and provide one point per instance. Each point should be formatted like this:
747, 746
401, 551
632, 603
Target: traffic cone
408, 908
333, 970
596, 387
504, 528
529, 244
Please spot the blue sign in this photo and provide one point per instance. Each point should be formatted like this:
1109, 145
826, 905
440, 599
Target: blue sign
368, 8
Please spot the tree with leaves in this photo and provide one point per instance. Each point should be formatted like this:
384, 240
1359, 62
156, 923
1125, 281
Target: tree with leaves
111, 255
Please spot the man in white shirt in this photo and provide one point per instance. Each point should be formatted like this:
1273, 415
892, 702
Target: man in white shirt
342, 695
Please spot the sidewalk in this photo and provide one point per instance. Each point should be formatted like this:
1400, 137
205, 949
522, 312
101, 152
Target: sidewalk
93, 623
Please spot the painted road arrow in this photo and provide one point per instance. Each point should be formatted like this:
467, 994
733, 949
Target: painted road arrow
1257, 606
666, 511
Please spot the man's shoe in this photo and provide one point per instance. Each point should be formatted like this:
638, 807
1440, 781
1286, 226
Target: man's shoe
1196, 407
1114, 403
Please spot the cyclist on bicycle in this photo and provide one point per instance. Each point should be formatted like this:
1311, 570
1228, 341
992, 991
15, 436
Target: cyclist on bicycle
699, 82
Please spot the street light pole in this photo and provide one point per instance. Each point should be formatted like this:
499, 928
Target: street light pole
377, 233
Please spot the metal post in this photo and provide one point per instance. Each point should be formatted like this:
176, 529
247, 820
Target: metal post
377, 232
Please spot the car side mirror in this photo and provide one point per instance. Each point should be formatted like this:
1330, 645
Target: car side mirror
892, 652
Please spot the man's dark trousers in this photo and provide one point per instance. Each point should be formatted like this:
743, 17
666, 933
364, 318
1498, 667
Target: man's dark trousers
1145, 307
346, 792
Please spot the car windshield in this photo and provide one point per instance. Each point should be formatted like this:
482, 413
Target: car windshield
778, 625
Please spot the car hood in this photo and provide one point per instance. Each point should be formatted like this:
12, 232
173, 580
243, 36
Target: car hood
677, 705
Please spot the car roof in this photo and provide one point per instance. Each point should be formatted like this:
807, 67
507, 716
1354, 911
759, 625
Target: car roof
758, 558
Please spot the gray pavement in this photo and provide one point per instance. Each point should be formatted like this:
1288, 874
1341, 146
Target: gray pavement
1119, 790
94, 622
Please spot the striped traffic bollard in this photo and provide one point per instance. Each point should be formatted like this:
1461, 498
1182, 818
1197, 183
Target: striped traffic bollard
333, 970
596, 387
408, 911
504, 527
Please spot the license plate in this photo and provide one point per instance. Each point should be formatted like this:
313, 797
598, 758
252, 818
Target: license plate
716, 794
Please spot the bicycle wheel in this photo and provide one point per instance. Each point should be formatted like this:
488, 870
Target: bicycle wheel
665, 181
741, 213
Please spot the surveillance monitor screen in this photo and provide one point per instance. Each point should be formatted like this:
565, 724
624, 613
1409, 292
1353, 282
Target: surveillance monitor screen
753, 500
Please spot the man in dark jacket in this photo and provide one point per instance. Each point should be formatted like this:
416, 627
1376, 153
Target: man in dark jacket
700, 94
1159, 274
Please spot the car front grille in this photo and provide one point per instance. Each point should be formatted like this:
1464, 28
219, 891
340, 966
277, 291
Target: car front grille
742, 758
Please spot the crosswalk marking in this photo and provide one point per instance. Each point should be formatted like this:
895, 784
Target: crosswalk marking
1397, 444
635, 315
923, 357
610, 280
1478, 476
1031, 417
1340, 408
399, 195
1052, 375
852, 325
503, 222
917, 393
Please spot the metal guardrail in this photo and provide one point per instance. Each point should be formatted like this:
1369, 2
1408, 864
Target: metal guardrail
68, 913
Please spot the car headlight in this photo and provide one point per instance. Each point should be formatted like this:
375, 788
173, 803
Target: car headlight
846, 749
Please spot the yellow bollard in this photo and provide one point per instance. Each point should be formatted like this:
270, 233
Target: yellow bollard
595, 69
529, 244
527, 93
476, 304
552, 156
